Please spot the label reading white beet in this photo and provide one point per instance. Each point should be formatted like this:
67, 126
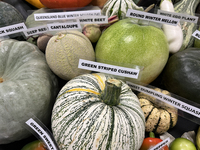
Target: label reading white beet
64, 26
35, 30
152, 17
110, 69
93, 20
65, 15
167, 99
20, 27
181, 16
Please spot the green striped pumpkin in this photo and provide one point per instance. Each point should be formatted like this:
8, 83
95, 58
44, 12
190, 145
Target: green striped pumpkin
96, 111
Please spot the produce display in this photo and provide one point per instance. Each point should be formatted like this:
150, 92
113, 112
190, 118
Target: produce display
109, 74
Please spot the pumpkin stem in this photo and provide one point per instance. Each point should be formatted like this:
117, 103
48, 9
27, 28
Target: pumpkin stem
112, 91
1, 80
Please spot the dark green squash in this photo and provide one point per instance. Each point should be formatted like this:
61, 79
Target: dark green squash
9, 15
181, 75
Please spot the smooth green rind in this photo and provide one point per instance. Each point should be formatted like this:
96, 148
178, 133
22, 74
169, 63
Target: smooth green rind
128, 44
181, 74
28, 90
80, 120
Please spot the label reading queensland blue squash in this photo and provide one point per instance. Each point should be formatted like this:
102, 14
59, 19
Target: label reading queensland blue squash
152, 17
65, 15
42, 133
181, 16
179, 104
110, 69
35, 30
20, 27
64, 26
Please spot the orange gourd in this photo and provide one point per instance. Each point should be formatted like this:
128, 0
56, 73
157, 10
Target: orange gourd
68, 4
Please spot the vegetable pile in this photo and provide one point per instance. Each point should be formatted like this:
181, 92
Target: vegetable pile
99, 74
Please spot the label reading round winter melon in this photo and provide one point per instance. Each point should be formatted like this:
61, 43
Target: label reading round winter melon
152, 17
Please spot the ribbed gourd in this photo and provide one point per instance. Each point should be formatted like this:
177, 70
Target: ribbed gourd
119, 8
97, 111
159, 116
64, 51
187, 7
28, 88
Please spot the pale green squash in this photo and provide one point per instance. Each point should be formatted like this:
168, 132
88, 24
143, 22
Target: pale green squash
96, 111
28, 88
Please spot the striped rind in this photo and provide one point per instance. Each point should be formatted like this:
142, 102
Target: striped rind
80, 120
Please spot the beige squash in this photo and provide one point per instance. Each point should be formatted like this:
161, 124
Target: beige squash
64, 50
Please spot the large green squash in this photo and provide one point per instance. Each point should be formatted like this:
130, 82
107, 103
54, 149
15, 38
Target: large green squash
28, 88
181, 75
96, 111
130, 44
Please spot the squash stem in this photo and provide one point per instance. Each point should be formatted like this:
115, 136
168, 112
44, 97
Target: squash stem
1, 80
112, 91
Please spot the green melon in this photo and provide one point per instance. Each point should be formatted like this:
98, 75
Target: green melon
129, 44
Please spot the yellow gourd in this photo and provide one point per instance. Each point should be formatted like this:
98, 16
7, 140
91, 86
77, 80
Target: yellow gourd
35, 3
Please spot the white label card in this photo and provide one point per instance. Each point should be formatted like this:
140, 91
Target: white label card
35, 30
64, 26
42, 133
152, 17
167, 99
93, 20
20, 27
181, 16
196, 34
66, 15
160, 145
110, 69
